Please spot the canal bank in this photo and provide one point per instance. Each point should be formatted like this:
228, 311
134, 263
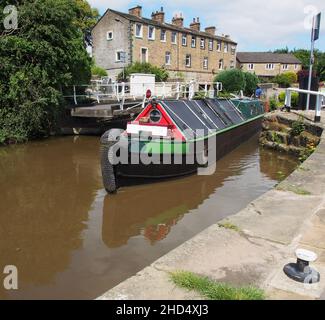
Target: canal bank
268, 231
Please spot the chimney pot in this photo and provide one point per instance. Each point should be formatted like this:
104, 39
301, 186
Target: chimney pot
211, 30
159, 16
196, 25
136, 11
178, 21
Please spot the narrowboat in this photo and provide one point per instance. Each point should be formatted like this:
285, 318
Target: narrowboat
172, 138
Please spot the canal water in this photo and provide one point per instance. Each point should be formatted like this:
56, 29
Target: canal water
69, 239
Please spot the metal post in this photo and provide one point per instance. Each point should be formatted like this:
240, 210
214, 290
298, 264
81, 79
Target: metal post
164, 90
123, 96
318, 109
311, 63
288, 99
178, 90
75, 95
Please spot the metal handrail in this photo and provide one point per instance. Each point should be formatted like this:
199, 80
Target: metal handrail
124, 90
320, 96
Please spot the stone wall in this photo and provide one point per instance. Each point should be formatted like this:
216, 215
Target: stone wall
104, 51
291, 133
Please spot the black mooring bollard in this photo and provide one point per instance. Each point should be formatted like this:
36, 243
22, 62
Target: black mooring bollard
301, 271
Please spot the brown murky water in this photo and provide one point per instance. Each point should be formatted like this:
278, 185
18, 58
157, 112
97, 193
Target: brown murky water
70, 240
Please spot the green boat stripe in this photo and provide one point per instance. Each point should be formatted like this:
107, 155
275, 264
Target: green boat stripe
180, 147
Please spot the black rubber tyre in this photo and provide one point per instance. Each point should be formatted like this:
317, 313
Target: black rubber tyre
203, 157
109, 139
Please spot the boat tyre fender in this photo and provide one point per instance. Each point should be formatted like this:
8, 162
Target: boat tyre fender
203, 157
107, 141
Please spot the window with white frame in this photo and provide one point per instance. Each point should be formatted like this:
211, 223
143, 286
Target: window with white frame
151, 33
163, 35
205, 63
269, 66
210, 44
174, 37
168, 58
285, 67
144, 55
184, 40
188, 60
219, 46
193, 42
233, 50
138, 30
202, 43
296, 66
221, 64
251, 66
232, 64
120, 56
225, 48
109, 35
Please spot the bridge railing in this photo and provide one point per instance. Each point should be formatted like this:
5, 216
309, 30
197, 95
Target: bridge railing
320, 100
119, 92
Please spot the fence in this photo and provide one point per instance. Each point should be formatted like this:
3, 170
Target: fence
320, 101
119, 92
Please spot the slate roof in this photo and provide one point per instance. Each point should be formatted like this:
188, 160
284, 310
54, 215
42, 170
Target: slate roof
167, 26
267, 57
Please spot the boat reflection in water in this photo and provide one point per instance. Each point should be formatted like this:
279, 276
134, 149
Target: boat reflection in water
153, 210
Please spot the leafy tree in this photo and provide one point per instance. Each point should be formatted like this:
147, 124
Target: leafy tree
45, 54
251, 82
286, 79
304, 56
232, 80
283, 50
147, 68
98, 71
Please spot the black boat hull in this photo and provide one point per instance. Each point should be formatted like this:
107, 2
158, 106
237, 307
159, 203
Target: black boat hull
225, 143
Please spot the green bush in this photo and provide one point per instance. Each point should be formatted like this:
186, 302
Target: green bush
232, 80
251, 83
286, 79
273, 104
235, 80
98, 71
294, 98
147, 68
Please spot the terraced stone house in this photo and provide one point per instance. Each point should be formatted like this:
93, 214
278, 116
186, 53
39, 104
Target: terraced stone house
120, 39
268, 64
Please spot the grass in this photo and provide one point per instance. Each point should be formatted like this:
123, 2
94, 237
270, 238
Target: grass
228, 225
294, 189
212, 290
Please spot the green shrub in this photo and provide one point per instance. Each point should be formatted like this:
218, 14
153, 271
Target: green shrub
298, 127
286, 79
273, 104
98, 71
147, 68
294, 98
232, 80
251, 82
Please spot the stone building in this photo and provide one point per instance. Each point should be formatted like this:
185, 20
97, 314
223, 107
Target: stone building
268, 64
120, 39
